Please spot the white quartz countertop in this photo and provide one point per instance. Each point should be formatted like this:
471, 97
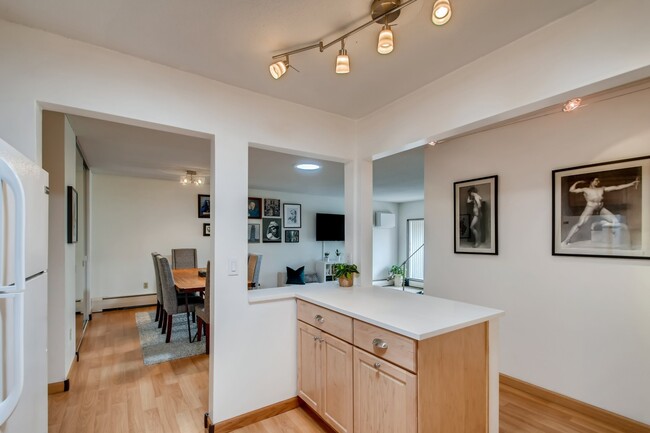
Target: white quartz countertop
415, 316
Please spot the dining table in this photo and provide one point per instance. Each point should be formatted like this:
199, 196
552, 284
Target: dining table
189, 281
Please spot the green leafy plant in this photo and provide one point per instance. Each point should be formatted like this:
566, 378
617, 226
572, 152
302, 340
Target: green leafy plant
345, 270
397, 270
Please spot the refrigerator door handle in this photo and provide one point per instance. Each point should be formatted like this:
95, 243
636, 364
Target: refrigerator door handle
8, 405
10, 178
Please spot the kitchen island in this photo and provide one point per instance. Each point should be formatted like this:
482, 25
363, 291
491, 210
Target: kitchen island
413, 363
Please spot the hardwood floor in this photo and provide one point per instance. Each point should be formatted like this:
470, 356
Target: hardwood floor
112, 391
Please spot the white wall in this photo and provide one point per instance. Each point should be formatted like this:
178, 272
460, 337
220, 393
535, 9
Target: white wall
407, 211
277, 256
43, 70
384, 242
579, 326
133, 217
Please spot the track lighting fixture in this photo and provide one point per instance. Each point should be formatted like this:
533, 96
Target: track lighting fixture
342, 60
572, 105
441, 12
192, 179
381, 12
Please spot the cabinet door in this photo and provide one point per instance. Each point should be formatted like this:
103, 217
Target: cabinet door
309, 365
336, 376
385, 396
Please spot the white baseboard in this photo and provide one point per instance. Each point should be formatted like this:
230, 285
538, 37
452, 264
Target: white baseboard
101, 304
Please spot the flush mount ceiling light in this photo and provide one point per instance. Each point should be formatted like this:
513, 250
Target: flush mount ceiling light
307, 166
572, 105
381, 12
192, 179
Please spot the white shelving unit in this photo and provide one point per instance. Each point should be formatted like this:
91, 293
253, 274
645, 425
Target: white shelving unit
324, 270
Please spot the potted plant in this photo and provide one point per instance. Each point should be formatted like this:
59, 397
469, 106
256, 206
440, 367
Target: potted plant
397, 275
345, 274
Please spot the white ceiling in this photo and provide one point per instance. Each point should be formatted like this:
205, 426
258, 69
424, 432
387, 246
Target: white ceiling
233, 41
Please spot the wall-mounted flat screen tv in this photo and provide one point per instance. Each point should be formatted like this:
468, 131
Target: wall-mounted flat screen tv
330, 227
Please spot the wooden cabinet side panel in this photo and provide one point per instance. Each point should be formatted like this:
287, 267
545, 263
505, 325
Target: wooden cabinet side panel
336, 375
453, 382
309, 365
385, 397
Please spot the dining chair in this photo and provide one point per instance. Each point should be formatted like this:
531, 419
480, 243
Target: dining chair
171, 303
254, 265
159, 296
183, 258
203, 313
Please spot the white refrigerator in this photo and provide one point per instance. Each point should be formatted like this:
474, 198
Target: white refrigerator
23, 293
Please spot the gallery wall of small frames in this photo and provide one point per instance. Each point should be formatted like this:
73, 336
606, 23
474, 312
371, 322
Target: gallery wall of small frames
272, 217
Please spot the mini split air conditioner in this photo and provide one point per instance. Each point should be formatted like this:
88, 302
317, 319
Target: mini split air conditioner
384, 220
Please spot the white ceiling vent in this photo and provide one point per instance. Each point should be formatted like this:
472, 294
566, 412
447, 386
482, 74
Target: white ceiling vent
384, 220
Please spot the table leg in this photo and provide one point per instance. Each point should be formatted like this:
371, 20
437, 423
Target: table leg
187, 308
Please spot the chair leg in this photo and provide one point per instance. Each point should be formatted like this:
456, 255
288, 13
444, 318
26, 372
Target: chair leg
207, 338
161, 320
199, 328
193, 317
157, 311
169, 328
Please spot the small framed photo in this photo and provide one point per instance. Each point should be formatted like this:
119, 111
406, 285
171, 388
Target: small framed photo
292, 215
272, 230
204, 206
271, 207
206, 229
475, 216
73, 214
254, 208
603, 210
292, 236
253, 233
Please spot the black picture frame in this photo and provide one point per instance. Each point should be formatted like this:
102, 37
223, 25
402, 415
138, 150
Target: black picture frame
476, 206
254, 208
204, 206
206, 229
600, 210
292, 215
254, 233
73, 215
271, 230
292, 236
271, 207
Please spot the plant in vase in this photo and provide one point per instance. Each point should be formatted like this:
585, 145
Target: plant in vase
397, 275
338, 255
327, 257
345, 274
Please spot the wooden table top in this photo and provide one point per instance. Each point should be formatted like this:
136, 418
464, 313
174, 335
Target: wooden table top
188, 280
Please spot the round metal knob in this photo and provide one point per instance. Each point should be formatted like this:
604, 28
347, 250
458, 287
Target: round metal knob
319, 318
379, 343
377, 364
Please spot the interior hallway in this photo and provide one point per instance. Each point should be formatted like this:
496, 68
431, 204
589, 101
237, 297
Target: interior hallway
112, 391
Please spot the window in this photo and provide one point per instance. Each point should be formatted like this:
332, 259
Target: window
415, 249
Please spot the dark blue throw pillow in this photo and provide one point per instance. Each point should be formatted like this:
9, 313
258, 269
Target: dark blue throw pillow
296, 276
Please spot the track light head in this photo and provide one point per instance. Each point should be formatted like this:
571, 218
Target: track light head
342, 60
441, 12
278, 69
385, 43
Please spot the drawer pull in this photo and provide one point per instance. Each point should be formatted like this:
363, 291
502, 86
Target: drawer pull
320, 340
379, 343
377, 364
319, 318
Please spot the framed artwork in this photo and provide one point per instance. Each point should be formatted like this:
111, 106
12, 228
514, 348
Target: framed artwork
292, 236
475, 216
603, 210
73, 214
272, 230
271, 207
253, 233
254, 208
292, 215
204, 206
206, 229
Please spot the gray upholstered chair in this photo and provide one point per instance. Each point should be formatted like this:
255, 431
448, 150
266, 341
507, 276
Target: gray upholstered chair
254, 265
183, 258
171, 303
159, 297
203, 313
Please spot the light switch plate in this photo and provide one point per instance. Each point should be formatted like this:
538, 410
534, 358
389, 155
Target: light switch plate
233, 267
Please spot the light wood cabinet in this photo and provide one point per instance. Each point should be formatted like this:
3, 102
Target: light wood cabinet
325, 376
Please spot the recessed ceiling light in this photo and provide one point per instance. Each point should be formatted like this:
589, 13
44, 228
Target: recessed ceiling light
433, 143
308, 167
572, 105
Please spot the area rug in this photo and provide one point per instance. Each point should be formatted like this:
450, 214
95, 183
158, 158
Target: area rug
154, 348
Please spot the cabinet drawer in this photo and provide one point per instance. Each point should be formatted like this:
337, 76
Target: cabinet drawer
386, 344
329, 321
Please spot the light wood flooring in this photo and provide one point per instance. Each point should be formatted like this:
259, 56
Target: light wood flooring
112, 391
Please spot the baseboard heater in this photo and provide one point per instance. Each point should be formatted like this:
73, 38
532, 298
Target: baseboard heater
111, 303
